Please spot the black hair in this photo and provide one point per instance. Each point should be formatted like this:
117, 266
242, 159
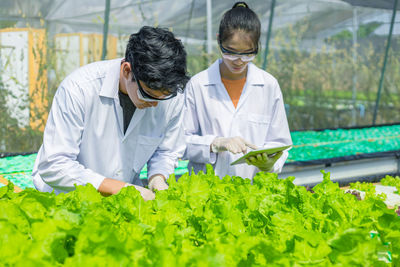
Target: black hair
158, 59
239, 17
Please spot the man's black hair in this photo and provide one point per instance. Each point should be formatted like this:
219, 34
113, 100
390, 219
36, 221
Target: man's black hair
240, 17
158, 59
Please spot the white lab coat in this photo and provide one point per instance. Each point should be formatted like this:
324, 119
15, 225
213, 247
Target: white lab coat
84, 141
259, 118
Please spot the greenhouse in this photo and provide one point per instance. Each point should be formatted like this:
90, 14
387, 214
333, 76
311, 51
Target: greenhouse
330, 197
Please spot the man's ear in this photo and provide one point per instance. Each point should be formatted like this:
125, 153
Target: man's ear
126, 69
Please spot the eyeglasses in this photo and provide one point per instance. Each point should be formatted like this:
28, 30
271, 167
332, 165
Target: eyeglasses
232, 55
142, 95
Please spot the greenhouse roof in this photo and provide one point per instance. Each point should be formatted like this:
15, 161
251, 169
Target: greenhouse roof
383, 4
185, 18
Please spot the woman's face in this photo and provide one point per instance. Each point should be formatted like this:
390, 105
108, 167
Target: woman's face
240, 42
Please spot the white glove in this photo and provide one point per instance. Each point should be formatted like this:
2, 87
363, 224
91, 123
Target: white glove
263, 161
144, 192
157, 182
232, 144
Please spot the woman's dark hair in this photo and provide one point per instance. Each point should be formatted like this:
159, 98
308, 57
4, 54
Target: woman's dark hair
158, 59
242, 18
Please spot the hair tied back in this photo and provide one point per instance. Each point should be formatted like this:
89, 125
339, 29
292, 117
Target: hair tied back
240, 4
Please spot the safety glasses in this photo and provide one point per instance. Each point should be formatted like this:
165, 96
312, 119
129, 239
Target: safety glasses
232, 55
142, 95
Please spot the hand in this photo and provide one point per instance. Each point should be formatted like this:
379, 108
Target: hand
263, 161
144, 192
157, 182
232, 144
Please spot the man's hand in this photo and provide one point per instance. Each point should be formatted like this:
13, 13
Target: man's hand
110, 186
232, 144
263, 161
144, 192
157, 182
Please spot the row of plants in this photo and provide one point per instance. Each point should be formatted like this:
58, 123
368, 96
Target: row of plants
369, 188
201, 220
327, 145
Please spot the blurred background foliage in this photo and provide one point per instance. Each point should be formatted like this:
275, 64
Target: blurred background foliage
326, 55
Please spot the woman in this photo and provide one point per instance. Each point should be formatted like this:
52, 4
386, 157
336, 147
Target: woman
234, 105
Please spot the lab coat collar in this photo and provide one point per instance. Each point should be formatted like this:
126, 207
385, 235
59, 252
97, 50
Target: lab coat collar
214, 76
253, 75
111, 81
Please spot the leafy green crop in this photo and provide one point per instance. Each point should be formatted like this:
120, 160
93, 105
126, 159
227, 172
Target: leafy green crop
201, 220
368, 188
392, 181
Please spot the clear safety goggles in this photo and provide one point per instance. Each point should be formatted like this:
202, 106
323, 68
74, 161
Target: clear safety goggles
232, 55
142, 95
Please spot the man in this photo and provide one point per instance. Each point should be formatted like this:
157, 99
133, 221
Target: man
109, 118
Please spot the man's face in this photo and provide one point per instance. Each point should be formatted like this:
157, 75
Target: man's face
133, 92
140, 94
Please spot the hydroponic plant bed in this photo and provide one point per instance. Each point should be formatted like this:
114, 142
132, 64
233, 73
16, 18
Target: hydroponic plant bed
308, 147
200, 220
354, 143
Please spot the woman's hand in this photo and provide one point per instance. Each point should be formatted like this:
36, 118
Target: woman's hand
263, 161
232, 144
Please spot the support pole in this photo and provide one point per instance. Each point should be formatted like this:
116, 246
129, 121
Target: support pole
209, 30
354, 91
189, 20
105, 29
271, 17
378, 97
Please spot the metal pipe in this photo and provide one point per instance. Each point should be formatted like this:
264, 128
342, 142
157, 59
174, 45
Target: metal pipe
343, 172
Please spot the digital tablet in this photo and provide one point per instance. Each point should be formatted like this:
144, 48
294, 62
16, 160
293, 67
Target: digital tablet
269, 151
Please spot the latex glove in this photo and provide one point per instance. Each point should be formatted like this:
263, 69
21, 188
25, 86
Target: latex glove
232, 144
157, 182
144, 192
263, 161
